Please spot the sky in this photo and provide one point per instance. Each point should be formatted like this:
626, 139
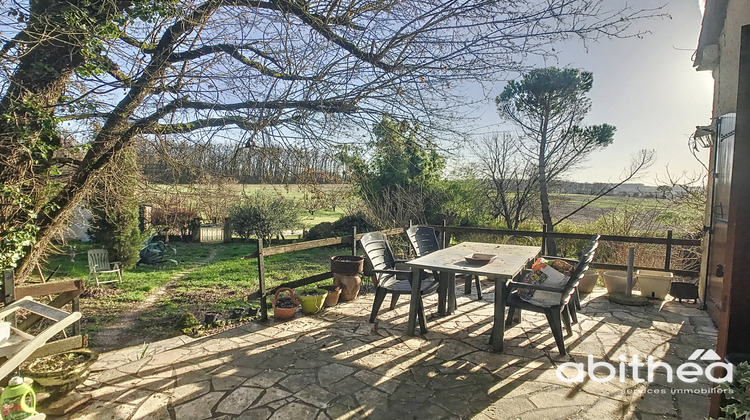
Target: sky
647, 88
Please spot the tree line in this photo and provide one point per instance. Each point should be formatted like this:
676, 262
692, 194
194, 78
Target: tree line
186, 162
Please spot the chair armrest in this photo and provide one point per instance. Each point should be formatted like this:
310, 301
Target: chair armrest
567, 260
517, 285
400, 264
397, 272
115, 265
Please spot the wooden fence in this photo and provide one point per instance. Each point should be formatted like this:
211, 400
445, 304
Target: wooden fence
669, 241
444, 232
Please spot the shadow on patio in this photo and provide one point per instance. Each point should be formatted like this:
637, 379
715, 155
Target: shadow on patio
336, 365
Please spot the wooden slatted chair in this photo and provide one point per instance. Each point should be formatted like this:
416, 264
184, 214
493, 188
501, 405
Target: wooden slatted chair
99, 264
389, 279
21, 345
558, 310
423, 241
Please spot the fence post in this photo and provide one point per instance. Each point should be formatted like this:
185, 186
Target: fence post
631, 263
227, 230
75, 306
444, 236
354, 240
544, 239
9, 293
668, 260
262, 282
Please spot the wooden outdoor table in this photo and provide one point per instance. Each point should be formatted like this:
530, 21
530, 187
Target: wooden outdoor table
510, 262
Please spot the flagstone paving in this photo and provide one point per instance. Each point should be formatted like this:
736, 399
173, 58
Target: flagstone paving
336, 365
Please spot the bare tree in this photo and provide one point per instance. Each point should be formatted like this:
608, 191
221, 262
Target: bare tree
255, 72
511, 177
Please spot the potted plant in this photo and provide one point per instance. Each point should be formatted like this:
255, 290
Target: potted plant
312, 300
616, 281
284, 307
60, 373
346, 269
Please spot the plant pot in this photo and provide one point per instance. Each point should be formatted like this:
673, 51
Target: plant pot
313, 303
654, 284
58, 376
587, 283
347, 264
284, 312
334, 292
349, 285
210, 317
253, 312
237, 313
683, 290
616, 281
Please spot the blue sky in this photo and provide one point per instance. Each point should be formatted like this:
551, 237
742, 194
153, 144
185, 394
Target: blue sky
646, 87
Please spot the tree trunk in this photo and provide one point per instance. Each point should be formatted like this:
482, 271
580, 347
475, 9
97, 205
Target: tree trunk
27, 140
543, 194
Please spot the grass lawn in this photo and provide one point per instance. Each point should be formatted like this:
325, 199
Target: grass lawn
225, 283
219, 286
101, 305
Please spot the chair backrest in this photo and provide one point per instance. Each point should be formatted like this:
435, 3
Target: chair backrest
579, 270
378, 251
422, 239
98, 259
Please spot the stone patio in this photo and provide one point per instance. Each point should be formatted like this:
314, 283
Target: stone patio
336, 365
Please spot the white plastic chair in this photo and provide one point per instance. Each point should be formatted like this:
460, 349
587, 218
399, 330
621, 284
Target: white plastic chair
99, 264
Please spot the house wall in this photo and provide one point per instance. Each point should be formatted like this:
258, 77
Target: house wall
726, 72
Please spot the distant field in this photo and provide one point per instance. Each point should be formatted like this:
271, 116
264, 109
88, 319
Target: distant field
291, 191
563, 204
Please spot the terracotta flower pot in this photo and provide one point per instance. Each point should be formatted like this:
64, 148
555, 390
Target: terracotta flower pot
333, 295
284, 312
347, 264
349, 285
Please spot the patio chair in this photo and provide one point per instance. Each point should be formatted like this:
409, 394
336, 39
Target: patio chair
576, 300
423, 241
99, 264
389, 280
557, 311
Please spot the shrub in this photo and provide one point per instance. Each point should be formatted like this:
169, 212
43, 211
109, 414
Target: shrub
264, 215
114, 208
341, 227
